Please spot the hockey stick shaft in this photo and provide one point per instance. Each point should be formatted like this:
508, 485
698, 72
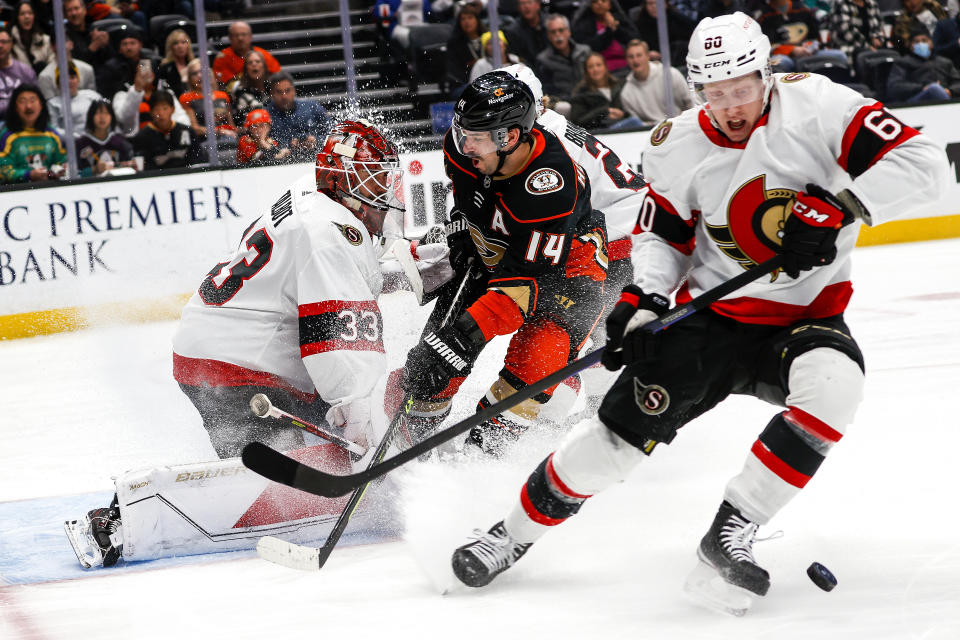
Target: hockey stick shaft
360, 489
277, 467
262, 408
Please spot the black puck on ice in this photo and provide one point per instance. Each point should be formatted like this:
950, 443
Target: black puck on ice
821, 576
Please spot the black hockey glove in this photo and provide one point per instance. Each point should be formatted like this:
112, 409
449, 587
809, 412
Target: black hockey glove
442, 356
626, 341
462, 248
811, 230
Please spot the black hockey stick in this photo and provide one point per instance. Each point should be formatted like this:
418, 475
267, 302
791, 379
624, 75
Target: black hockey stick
279, 468
303, 557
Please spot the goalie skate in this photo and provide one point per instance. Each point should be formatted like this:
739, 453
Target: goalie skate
97, 538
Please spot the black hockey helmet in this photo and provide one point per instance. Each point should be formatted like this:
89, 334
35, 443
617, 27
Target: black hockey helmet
494, 102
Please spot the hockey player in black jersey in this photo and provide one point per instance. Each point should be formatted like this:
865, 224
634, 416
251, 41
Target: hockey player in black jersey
533, 252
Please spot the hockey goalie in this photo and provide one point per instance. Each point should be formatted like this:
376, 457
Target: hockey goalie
292, 315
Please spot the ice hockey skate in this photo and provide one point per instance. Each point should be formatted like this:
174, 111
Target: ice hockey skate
727, 578
97, 538
477, 563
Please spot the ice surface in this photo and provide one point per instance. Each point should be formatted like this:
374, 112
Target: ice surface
881, 513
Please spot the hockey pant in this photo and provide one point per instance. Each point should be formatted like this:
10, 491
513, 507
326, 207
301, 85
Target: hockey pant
210, 507
813, 369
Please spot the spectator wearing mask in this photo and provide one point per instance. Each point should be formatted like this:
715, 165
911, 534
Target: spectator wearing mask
855, 27
100, 147
595, 103
30, 151
463, 47
297, 124
916, 12
13, 73
228, 65
920, 76
643, 95
178, 53
250, 92
560, 65
485, 64
527, 35
80, 101
163, 142
256, 147
47, 80
604, 27
31, 45
90, 45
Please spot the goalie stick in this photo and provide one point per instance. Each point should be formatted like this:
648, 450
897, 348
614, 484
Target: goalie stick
277, 467
306, 558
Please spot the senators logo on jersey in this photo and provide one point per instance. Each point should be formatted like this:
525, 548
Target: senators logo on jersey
755, 216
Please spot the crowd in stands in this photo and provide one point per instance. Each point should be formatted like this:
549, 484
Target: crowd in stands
600, 61
136, 94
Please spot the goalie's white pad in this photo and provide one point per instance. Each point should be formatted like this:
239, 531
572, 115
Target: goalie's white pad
705, 587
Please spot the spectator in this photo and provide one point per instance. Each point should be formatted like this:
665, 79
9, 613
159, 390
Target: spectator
192, 103
100, 147
485, 64
595, 103
925, 12
178, 53
688, 10
250, 92
228, 65
794, 32
604, 27
13, 73
256, 147
90, 45
528, 34
463, 47
132, 105
643, 94
131, 11
679, 30
855, 26
297, 124
714, 8
163, 143
118, 72
80, 101
395, 17
47, 80
946, 39
30, 151
919, 75
560, 65
31, 45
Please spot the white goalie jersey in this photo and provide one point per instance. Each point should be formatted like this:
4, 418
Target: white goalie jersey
294, 307
716, 207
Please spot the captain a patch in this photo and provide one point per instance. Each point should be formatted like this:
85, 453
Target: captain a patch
544, 181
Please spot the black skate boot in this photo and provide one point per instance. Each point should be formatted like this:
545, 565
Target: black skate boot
97, 539
490, 554
493, 437
728, 577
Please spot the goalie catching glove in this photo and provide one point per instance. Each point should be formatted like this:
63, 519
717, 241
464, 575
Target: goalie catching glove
442, 356
626, 341
811, 230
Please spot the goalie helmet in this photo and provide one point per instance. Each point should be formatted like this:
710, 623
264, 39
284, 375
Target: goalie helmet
728, 47
360, 168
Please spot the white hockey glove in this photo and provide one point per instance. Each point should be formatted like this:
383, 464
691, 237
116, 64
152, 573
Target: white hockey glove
433, 263
356, 419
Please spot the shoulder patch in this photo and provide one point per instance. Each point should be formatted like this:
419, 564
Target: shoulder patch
659, 135
352, 234
544, 181
795, 77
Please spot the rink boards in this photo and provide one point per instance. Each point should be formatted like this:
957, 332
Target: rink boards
133, 249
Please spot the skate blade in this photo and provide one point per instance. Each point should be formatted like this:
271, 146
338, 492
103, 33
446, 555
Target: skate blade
288, 554
705, 587
82, 542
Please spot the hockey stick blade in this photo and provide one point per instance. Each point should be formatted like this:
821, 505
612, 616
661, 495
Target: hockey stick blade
279, 468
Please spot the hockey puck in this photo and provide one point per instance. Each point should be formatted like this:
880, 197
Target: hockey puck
821, 576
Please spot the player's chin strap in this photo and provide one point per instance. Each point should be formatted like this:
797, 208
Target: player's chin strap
503, 154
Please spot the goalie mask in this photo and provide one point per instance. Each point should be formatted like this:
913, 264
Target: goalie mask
359, 168
723, 49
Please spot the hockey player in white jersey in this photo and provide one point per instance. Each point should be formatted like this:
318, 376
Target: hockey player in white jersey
765, 164
291, 314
